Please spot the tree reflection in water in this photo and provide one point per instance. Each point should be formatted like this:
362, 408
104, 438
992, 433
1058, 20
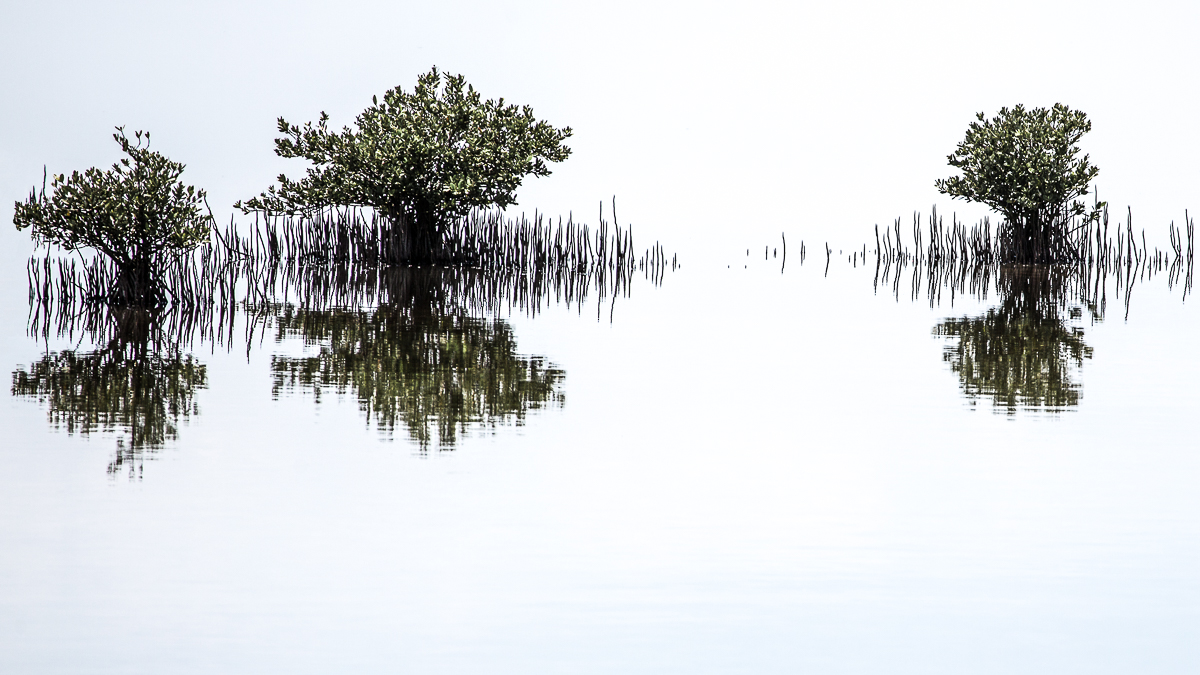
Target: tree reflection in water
132, 385
437, 374
412, 347
1026, 353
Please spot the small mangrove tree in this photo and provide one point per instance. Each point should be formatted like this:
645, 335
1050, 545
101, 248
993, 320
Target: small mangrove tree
136, 213
1026, 165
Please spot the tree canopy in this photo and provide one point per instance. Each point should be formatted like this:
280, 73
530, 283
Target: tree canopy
135, 212
422, 157
1026, 165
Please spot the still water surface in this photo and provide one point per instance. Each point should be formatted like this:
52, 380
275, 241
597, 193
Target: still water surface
743, 470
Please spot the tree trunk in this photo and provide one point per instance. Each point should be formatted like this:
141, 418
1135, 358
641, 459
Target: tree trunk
422, 235
135, 285
1030, 240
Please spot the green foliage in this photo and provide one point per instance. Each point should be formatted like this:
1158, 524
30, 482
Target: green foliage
137, 213
423, 157
425, 370
1026, 165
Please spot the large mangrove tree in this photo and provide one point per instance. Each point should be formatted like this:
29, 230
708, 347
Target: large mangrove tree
420, 158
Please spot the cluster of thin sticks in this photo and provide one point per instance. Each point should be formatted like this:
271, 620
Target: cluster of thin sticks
945, 261
485, 239
340, 258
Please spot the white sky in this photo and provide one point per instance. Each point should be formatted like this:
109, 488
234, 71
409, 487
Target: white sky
716, 125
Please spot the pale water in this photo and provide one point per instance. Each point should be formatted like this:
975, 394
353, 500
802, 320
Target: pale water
743, 470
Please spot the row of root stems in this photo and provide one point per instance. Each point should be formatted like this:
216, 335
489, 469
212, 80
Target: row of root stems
486, 264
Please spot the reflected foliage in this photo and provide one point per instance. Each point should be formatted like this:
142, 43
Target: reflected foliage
128, 386
412, 345
434, 374
1026, 353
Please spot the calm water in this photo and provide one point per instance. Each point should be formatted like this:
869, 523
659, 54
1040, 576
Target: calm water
742, 470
